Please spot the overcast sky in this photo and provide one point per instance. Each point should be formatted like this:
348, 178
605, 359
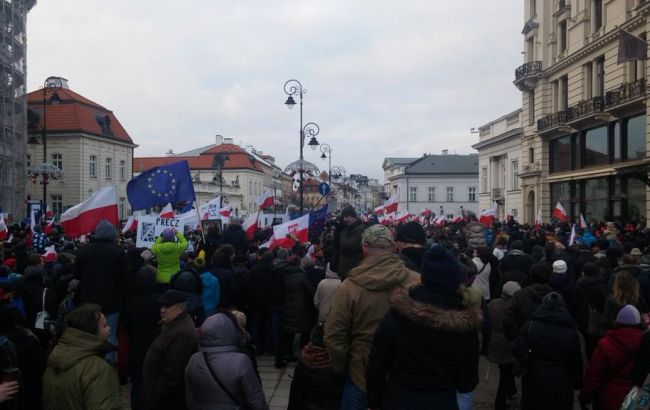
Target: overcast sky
384, 78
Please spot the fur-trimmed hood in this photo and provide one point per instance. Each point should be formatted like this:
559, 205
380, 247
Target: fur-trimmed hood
436, 317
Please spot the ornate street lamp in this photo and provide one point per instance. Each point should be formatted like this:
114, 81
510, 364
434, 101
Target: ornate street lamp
218, 162
327, 154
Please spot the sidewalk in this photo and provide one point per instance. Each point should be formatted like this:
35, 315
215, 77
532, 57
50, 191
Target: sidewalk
275, 382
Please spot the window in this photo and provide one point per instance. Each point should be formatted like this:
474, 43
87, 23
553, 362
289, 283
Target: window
432, 194
108, 170
531, 107
562, 34
484, 180
598, 14
533, 8
514, 167
29, 160
122, 170
471, 193
636, 137
56, 204
57, 161
531, 155
92, 166
564, 93
560, 153
600, 77
450, 194
413, 193
596, 150
122, 208
588, 76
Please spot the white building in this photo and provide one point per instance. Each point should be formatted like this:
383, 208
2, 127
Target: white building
445, 184
499, 149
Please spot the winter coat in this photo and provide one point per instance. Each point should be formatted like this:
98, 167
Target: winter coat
190, 284
316, 385
499, 348
299, 294
103, 271
220, 343
608, 378
565, 285
31, 360
275, 290
141, 316
168, 255
482, 278
260, 282
315, 274
164, 364
522, 307
349, 249
359, 305
34, 290
412, 258
227, 287
612, 308
78, 377
516, 266
235, 235
591, 290
555, 360
211, 292
642, 363
325, 294
583, 257
427, 348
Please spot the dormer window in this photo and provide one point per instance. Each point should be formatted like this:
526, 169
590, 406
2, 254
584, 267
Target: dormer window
104, 122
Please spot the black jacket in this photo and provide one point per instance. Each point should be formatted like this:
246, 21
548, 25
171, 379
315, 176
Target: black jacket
227, 287
276, 284
316, 388
412, 258
32, 289
103, 270
592, 290
349, 248
235, 235
425, 349
522, 307
516, 266
299, 313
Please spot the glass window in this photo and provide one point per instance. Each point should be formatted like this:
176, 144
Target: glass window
563, 35
616, 144
636, 200
56, 204
600, 77
596, 147
450, 194
596, 199
122, 208
636, 138
57, 161
472, 193
432, 194
92, 166
560, 150
122, 170
413, 193
561, 192
108, 169
484, 180
29, 160
514, 166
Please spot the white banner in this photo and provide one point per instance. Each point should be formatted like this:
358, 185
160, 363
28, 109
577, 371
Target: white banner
150, 227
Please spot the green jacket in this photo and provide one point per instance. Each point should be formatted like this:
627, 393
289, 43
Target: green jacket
77, 376
350, 253
359, 304
169, 256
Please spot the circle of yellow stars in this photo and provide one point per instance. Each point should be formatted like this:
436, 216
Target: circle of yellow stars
172, 184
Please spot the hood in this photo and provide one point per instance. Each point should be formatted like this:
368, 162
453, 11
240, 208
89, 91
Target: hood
515, 252
436, 317
74, 346
592, 281
167, 247
280, 263
474, 228
145, 281
536, 292
379, 273
626, 338
105, 232
558, 317
219, 331
332, 275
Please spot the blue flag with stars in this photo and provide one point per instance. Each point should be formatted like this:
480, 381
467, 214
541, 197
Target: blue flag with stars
161, 185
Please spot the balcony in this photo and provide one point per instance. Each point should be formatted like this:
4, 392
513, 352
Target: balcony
626, 96
562, 6
530, 169
527, 75
530, 25
587, 112
552, 122
497, 194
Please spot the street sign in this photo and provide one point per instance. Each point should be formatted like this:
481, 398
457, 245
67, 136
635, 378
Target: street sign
323, 188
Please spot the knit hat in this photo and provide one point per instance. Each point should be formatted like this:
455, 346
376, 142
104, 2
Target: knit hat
510, 288
553, 301
199, 264
591, 269
105, 230
440, 271
559, 267
628, 316
348, 211
146, 255
378, 236
411, 232
168, 235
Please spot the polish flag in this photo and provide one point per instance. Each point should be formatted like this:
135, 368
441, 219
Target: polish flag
538, 219
84, 217
49, 255
402, 216
214, 203
559, 213
298, 228
391, 205
250, 225
488, 215
268, 244
225, 211
379, 210
265, 200
49, 228
583, 223
131, 224
32, 222
48, 212
4, 231
167, 212
426, 213
572, 239
457, 219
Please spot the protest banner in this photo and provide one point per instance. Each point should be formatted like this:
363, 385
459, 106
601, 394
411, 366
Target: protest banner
151, 226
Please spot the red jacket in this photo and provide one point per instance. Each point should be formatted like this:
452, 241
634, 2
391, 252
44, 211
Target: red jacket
607, 380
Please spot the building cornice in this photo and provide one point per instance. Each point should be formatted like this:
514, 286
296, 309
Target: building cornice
89, 135
514, 133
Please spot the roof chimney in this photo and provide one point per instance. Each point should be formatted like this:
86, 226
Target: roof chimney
227, 141
219, 139
169, 153
445, 151
249, 148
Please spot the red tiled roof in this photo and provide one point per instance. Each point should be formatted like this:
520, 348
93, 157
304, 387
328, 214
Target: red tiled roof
236, 160
76, 113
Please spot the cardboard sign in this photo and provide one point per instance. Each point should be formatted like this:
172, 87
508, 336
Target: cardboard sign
150, 227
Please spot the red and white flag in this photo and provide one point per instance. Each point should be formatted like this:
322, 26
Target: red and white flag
583, 223
265, 200
298, 228
560, 213
391, 205
488, 216
167, 212
402, 216
538, 219
572, 239
32, 222
131, 224
379, 210
457, 219
214, 204
268, 244
48, 212
49, 255
4, 231
250, 225
84, 217
49, 227
225, 211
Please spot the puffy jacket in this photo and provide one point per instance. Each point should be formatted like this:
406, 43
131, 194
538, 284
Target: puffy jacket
350, 253
78, 377
359, 305
299, 294
168, 255
608, 378
211, 292
220, 344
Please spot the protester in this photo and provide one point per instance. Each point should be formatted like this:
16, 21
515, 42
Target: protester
349, 247
165, 361
222, 270
427, 344
359, 305
325, 294
211, 288
260, 278
77, 376
234, 235
168, 248
591, 292
410, 240
516, 264
189, 283
39, 239
625, 291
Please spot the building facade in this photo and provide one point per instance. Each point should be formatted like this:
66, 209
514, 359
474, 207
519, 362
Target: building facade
445, 184
86, 142
13, 106
498, 151
584, 117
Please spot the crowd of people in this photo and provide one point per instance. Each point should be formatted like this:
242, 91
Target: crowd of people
375, 316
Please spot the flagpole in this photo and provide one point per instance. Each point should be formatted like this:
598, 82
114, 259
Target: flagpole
200, 224
632, 34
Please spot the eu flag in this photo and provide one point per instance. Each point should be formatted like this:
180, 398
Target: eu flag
317, 221
161, 185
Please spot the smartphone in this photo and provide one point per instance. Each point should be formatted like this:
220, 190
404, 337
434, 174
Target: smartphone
10, 374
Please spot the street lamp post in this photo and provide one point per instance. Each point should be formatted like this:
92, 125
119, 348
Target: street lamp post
218, 162
291, 88
327, 153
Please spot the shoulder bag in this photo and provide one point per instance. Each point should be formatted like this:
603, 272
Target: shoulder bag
216, 379
43, 320
638, 398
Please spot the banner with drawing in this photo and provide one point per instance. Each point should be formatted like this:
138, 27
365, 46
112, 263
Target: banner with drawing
151, 226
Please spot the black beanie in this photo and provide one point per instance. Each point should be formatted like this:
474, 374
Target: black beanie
411, 232
591, 269
440, 271
348, 211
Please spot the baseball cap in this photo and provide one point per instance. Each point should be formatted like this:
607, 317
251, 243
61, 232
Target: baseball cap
378, 236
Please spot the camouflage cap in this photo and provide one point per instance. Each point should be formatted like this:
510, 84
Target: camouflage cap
378, 236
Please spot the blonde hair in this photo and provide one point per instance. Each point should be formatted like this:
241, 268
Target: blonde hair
626, 289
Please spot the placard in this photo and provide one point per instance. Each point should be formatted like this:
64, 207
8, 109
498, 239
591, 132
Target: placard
150, 227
